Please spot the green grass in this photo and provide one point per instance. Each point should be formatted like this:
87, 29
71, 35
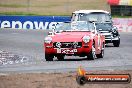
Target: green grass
38, 14
26, 5
29, 14
17, 13
13, 5
115, 16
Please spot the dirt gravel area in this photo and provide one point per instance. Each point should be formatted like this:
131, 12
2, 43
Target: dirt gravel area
54, 80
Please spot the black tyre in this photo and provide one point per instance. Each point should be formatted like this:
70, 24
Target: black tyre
60, 57
116, 43
101, 55
48, 57
92, 54
81, 80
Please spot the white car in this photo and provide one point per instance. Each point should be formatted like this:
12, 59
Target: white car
103, 21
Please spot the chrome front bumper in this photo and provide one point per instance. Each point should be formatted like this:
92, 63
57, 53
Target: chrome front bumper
109, 37
113, 38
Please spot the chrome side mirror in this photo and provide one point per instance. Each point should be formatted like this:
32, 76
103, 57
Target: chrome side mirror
93, 31
115, 28
50, 33
100, 29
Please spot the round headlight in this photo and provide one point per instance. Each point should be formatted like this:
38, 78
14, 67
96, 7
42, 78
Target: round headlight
86, 39
48, 40
114, 31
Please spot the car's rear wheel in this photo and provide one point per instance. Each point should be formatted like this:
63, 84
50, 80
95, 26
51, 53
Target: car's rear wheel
92, 54
116, 43
101, 55
60, 57
49, 57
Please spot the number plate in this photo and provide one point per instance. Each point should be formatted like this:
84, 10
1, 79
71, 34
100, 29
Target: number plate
67, 51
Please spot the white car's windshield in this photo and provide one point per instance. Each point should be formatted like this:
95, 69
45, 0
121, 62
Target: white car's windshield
104, 26
75, 26
98, 17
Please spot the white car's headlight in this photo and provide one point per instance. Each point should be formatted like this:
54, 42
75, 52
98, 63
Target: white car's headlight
114, 29
86, 39
48, 40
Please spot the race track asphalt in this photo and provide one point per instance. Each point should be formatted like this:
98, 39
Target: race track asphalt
29, 43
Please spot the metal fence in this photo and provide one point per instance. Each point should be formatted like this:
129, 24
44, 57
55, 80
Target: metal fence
121, 10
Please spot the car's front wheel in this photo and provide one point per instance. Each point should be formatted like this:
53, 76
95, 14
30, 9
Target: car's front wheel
92, 54
116, 43
49, 57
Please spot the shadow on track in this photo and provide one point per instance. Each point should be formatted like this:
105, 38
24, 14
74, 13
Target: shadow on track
108, 46
76, 59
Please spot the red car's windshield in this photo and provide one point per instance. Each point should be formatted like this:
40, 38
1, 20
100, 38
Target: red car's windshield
75, 26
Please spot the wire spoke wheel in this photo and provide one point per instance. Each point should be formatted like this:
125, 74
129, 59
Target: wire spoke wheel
92, 54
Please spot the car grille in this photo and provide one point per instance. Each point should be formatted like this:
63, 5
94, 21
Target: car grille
67, 44
108, 36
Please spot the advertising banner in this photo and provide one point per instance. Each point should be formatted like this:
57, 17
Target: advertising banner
120, 2
31, 22
48, 22
123, 24
113, 2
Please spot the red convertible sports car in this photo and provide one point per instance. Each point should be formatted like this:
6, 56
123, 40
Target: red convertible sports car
77, 38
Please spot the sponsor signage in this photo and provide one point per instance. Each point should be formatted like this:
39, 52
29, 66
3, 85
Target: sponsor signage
48, 22
123, 24
83, 77
31, 22
120, 2
125, 2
